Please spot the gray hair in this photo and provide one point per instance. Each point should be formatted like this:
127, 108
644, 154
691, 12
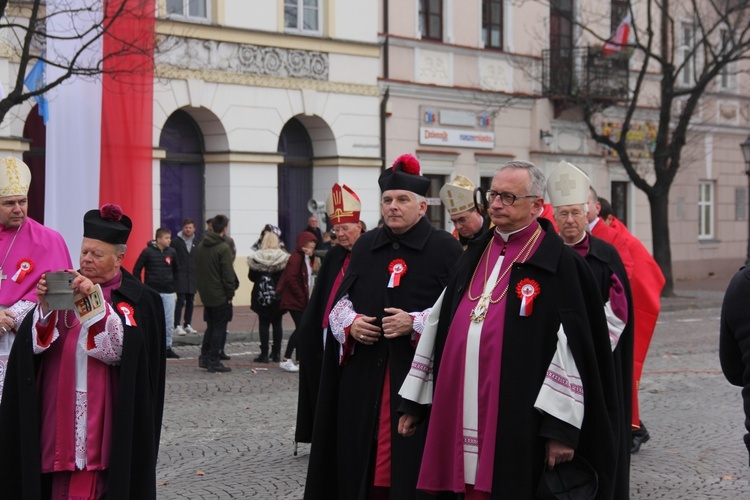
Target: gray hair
121, 248
537, 182
584, 205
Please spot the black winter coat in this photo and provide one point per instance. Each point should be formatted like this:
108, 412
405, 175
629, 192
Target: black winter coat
569, 296
343, 443
310, 344
604, 261
734, 339
160, 265
185, 277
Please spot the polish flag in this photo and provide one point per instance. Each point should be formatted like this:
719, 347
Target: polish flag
99, 134
619, 40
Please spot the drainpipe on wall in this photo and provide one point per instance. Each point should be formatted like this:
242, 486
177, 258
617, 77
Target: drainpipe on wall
384, 101
383, 116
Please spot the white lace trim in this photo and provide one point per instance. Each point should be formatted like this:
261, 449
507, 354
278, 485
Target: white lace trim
107, 344
3, 367
20, 309
341, 317
82, 410
417, 322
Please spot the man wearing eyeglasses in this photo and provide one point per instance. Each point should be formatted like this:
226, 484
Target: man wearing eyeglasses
458, 198
568, 189
514, 360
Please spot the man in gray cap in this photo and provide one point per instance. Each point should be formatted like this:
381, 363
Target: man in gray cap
84, 393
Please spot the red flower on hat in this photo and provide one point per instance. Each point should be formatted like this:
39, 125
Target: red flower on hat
409, 164
111, 212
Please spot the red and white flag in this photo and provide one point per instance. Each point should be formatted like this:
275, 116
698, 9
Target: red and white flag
619, 40
99, 134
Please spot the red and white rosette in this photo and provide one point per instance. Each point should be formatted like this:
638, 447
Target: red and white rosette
127, 311
396, 269
527, 290
25, 266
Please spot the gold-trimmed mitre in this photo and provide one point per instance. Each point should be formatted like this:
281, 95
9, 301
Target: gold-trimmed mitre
458, 195
15, 177
343, 205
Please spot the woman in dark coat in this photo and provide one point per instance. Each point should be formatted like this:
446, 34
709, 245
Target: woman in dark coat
266, 266
294, 289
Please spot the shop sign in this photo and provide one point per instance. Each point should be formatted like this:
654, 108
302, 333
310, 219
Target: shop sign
456, 138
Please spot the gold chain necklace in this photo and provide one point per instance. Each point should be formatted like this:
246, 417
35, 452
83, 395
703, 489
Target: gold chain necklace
479, 312
65, 321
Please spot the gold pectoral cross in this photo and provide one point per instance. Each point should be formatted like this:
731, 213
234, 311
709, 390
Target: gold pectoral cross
480, 310
2, 277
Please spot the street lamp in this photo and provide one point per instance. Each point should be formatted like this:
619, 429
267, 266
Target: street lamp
746, 153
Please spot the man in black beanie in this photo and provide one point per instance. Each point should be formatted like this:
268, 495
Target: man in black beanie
84, 393
395, 275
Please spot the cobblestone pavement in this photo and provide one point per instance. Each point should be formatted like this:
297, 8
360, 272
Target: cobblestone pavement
230, 435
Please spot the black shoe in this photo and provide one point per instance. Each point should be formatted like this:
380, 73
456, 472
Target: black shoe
218, 368
639, 437
223, 356
275, 358
261, 359
171, 354
202, 361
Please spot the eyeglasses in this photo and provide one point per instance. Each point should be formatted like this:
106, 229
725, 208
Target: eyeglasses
460, 221
506, 198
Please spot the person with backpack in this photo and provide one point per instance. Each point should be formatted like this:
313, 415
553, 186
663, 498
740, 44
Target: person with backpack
266, 266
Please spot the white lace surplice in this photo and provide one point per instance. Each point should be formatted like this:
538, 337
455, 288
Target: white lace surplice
107, 349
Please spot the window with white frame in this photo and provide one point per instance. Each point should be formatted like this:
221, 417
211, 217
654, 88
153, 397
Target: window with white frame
195, 9
726, 75
687, 52
706, 210
492, 23
431, 19
302, 16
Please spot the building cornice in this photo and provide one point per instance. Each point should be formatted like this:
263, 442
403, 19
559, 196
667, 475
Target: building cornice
215, 76
347, 161
265, 38
467, 95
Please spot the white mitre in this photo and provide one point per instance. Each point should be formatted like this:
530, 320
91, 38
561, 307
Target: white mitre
458, 195
567, 185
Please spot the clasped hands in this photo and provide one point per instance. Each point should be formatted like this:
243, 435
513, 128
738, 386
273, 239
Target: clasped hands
365, 330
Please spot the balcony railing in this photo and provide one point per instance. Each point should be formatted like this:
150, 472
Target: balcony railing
584, 73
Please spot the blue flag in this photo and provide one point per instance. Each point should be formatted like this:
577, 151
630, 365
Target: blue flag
34, 81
